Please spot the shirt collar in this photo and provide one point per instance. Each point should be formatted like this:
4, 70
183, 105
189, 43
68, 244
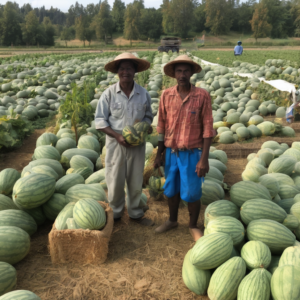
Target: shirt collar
136, 88
175, 92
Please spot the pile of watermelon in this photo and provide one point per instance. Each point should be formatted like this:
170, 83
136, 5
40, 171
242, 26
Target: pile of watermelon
250, 247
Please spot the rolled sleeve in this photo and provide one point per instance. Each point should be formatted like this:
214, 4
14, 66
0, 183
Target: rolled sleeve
102, 112
207, 119
148, 114
161, 116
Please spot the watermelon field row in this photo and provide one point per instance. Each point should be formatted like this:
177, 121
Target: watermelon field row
250, 244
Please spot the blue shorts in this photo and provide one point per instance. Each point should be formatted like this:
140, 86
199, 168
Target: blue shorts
181, 176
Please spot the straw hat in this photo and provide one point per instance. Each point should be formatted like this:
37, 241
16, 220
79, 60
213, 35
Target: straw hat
142, 65
181, 59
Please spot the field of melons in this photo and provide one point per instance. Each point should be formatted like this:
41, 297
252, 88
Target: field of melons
56, 177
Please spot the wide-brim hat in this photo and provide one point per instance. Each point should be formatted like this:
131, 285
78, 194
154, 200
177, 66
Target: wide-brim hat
142, 65
169, 68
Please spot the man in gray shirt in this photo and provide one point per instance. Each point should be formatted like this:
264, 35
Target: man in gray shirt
124, 103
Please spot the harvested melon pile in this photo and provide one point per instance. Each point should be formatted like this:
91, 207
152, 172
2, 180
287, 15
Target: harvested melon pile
250, 245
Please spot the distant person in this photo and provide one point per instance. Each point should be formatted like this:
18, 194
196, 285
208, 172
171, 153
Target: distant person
238, 49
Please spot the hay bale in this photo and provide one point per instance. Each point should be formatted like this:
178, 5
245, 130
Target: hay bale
79, 246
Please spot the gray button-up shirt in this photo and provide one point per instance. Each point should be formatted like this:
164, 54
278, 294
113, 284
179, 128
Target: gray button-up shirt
116, 110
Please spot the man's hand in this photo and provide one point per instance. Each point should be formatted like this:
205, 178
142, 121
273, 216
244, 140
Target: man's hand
150, 130
202, 167
157, 162
120, 139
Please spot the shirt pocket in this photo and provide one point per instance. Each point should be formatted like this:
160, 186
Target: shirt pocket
117, 110
193, 116
139, 111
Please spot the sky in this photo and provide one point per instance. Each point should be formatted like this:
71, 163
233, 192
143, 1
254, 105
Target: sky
65, 4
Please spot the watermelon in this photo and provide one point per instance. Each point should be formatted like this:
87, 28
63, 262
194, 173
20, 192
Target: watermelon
220, 208
33, 190
217, 164
46, 170
14, 244
291, 222
68, 154
261, 209
290, 256
274, 264
225, 280
282, 179
288, 191
255, 286
84, 172
89, 214
282, 164
47, 138
37, 214
89, 142
54, 205
8, 178
195, 279
214, 173
131, 136
96, 177
247, 190
66, 212
286, 204
8, 278
275, 235
20, 295
6, 203
67, 181
64, 144
211, 251
71, 224
295, 210
18, 218
285, 283
79, 162
46, 152
91, 191
211, 191
256, 255
270, 183
229, 225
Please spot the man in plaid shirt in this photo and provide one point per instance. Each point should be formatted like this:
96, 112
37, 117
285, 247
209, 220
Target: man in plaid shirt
185, 127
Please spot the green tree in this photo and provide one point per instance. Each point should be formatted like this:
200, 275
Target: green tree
242, 16
83, 32
10, 29
66, 35
49, 31
199, 17
33, 33
219, 16
103, 22
259, 23
167, 22
295, 13
117, 13
132, 16
150, 25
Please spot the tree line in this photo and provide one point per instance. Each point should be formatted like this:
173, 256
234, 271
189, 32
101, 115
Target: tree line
38, 26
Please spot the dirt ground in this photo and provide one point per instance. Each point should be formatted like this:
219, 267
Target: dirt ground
140, 264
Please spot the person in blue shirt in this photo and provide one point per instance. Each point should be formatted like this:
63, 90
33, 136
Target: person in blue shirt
238, 49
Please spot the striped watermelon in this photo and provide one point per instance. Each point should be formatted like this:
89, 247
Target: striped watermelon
274, 264
290, 256
14, 244
84, 172
291, 222
89, 214
286, 204
20, 295
96, 177
270, 183
18, 218
220, 208
79, 162
8, 278
195, 279
131, 136
46, 170
89, 142
8, 178
261, 209
255, 286
211, 251
68, 154
285, 283
288, 191
211, 191
217, 164
214, 173
33, 190
64, 144
282, 164
90, 191
47, 138
7, 203
54, 206
295, 210
37, 214
67, 181
256, 255
229, 225
246, 190
275, 235
225, 280
46, 152
66, 212
282, 179
71, 224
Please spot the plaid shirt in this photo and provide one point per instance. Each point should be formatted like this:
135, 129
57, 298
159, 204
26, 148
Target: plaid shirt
185, 123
